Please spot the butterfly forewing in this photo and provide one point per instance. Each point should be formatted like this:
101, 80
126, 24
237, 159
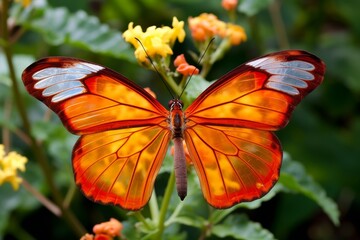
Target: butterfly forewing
228, 130
91, 98
259, 94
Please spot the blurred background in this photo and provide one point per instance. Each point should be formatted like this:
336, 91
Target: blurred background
323, 134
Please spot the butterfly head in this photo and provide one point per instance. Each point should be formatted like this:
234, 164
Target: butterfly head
175, 104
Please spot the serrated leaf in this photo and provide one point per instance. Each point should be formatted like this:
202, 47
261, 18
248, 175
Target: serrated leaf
77, 29
252, 7
294, 177
240, 227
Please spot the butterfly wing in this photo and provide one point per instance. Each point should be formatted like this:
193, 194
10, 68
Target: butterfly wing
120, 166
125, 133
238, 164
90, 98
228, 132
260, 94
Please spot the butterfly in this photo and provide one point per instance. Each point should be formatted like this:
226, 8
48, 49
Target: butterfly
125, 132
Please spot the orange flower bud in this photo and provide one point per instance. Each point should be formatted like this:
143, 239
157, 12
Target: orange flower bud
187, 70
179, 60
229, 4
103, 237
235, 33
183, 67
87, 236
111, 228
206, 26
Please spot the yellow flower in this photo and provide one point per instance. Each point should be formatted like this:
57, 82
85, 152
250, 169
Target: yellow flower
132, 33
178, 31
9, 164
235, 33
156, 41
25, 3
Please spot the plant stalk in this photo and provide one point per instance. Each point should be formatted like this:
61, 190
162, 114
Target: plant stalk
165, 204
37, 149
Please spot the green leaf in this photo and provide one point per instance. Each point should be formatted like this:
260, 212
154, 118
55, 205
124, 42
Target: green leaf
59, 26
129, 230
240, 227
168, 164
21, 61
294, 177
196, 86
193, 221
218, 215
252, 7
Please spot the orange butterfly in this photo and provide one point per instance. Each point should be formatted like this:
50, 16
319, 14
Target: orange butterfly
125, 132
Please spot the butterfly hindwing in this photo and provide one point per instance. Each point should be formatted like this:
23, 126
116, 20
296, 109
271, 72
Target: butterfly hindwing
120, 166
237, 165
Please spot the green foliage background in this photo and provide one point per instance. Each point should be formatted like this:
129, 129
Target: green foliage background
323, 134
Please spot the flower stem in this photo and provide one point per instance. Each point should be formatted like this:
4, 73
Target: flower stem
45, 202
171, 82
279, 25
141, 218
165, 205
154, 207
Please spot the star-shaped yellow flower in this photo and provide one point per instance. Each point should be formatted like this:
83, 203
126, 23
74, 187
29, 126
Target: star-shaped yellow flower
157, 41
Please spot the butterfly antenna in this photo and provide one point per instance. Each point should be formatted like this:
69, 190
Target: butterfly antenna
198, 63
156, 70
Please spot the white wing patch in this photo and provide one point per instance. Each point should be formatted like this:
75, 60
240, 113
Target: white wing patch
287, 76
63, 83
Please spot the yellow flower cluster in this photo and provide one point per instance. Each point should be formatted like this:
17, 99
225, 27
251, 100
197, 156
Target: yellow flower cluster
206, 26
156, 41
9, 164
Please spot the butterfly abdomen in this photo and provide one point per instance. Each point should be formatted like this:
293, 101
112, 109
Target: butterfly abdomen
177, 129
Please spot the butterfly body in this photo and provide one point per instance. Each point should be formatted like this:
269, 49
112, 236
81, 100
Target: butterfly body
177, 126
125, 132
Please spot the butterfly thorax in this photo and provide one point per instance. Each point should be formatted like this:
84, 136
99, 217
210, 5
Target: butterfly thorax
176, 121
